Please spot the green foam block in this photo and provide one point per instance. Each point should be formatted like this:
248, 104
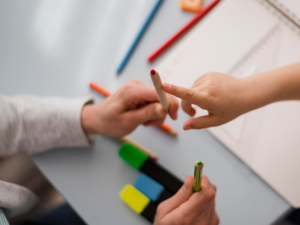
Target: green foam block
133, 155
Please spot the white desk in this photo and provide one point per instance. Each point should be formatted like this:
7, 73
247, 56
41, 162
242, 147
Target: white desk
57, 48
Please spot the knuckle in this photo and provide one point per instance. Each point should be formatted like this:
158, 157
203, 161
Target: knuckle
160, 208
211, 74
134, 81
125, 124
185, 220
207, 75
124, 89
210, 194
190, 93
174, 89
130, 83
149, 113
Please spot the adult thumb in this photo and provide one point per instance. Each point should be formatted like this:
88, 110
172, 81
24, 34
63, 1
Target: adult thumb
184, 193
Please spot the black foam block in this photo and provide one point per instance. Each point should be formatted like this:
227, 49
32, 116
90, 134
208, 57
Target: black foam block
161, 175
164, 196
149, 212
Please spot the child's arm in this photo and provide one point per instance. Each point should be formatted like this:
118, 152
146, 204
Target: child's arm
226, 97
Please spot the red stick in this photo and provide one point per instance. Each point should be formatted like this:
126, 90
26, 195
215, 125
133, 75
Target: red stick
196, 18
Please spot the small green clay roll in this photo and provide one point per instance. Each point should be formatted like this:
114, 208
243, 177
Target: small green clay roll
197, 176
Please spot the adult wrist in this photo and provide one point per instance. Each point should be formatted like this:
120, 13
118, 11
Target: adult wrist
87, 119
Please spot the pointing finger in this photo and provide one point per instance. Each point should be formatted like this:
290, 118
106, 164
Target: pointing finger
188, 95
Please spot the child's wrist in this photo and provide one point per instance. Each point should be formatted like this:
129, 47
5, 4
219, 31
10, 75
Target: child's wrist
246, 96
257, 92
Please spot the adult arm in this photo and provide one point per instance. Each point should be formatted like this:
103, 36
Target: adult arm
31, 124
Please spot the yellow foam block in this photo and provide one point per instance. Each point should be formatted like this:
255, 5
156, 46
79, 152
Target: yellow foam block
191, 5
134, 198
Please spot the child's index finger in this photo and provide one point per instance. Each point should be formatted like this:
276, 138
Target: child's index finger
186, 94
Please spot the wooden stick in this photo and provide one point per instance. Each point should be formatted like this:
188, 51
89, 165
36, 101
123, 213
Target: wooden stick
140, 147
161, 94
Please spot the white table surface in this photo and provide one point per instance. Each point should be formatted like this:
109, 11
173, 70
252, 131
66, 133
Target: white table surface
57, 47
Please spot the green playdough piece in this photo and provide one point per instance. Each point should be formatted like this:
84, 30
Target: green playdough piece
133, 155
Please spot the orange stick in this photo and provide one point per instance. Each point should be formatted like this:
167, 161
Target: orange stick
168, 129
99, 89
165, 127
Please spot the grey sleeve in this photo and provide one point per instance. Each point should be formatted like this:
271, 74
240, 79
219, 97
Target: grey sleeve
31, 124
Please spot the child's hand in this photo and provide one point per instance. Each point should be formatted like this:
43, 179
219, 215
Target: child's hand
221, 95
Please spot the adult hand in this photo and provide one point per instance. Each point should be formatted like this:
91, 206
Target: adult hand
133, 104
223, 96
188, 208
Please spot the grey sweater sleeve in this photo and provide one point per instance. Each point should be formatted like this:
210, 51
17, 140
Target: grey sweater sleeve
30, 124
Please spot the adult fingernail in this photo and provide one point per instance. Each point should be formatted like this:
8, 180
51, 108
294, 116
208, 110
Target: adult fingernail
159, 111
167, 85
186, 187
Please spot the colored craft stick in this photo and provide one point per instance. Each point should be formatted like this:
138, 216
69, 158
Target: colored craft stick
139, 36
99, 89
197, 176
138, 202
165, 127
152, 189
140, 147
161, 94
140, 161
181, 32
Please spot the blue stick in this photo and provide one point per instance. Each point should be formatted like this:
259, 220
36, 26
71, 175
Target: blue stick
139, 36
